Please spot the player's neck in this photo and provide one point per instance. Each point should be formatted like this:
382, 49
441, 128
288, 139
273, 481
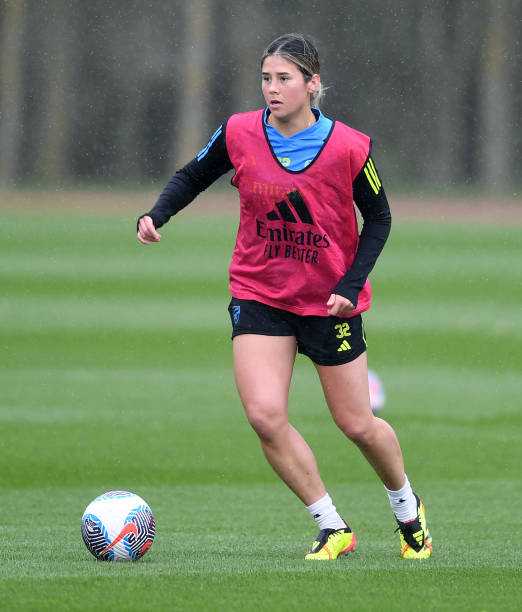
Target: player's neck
288, 126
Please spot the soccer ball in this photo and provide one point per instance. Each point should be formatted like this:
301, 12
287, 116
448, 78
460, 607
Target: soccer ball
118, 526
377, 394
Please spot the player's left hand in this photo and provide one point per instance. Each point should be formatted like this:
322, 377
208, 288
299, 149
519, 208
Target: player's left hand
338, 305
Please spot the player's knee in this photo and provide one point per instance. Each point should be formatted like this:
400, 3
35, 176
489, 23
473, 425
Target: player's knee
265, 419
360, 431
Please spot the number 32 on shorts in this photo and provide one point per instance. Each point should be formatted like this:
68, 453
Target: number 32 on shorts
343, 330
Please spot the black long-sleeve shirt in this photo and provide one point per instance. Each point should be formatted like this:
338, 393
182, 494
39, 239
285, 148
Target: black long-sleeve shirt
370, 199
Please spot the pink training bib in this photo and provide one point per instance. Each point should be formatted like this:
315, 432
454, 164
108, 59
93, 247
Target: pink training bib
298, 231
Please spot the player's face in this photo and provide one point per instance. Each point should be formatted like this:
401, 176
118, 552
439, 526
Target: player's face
286, 92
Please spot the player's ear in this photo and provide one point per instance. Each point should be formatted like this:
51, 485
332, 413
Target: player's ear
313, 84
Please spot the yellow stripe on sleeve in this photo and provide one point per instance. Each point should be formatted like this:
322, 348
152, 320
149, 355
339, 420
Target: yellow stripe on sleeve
370, 180
373, 170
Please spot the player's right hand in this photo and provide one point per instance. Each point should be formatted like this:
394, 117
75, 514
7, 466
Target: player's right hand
146, 231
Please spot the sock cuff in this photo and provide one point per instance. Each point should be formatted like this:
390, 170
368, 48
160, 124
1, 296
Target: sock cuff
320, 505
402, 491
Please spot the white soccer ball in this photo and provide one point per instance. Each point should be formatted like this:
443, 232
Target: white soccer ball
377, 394
118, 526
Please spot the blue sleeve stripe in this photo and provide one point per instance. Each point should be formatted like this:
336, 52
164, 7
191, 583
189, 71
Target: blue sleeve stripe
204, 151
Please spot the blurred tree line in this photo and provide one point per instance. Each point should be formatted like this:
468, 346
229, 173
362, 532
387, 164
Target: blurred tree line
129, 90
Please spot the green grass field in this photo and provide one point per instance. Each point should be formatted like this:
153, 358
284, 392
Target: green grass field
116, 374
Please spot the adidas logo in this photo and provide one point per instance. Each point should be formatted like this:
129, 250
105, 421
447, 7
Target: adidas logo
285, 212
344, 346
419, 537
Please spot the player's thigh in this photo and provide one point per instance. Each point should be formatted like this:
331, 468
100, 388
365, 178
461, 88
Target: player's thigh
263, 368
347, 393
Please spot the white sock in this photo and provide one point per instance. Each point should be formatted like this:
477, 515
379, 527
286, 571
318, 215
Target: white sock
325, 514
403, 502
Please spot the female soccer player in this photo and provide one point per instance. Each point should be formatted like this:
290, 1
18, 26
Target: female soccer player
298, 280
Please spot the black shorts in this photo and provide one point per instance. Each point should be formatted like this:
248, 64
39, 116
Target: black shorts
326, 340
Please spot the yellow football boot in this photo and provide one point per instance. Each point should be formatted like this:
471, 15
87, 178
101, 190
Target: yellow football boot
332, 543
414, 534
